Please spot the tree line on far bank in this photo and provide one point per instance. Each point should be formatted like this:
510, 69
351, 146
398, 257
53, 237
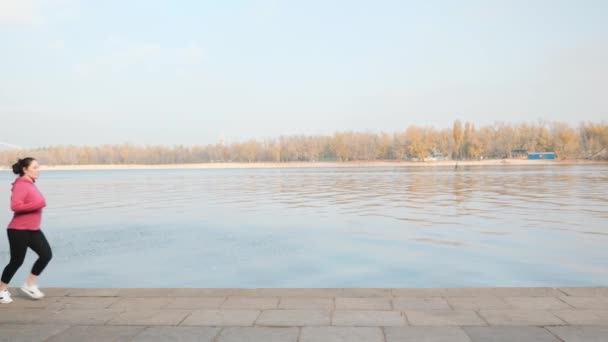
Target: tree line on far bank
460, 142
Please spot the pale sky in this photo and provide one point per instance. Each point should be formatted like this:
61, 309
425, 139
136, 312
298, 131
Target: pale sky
189, 72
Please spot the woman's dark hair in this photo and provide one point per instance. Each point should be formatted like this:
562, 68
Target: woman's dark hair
22, 164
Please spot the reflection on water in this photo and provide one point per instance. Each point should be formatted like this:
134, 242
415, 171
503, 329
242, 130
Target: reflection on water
326, 227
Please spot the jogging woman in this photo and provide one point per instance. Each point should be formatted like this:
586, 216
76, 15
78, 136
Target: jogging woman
24, 230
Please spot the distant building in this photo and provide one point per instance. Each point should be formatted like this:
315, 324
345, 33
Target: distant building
7, 146
541, 155
519, 154
436, 155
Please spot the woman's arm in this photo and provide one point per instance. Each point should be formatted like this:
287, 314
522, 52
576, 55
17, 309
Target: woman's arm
18, 204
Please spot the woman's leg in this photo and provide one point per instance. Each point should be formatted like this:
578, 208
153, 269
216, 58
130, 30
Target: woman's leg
40, 245
18, 241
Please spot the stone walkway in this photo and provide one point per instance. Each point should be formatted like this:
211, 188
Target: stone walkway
307, 315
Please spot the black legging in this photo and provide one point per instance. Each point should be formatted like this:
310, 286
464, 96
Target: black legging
19, 241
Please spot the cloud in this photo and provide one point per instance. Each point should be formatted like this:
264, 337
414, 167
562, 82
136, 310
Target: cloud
57, 45
20, 12
191, 54
28, 13
119, 56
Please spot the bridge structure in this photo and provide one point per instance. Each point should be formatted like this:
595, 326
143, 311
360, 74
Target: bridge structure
8, 146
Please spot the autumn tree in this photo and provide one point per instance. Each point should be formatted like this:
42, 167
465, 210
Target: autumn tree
458, 136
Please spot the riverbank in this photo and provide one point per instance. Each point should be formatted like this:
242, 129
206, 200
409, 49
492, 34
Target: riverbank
442, 163
309, 314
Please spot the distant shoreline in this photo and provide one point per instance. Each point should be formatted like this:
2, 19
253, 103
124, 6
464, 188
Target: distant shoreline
258, 165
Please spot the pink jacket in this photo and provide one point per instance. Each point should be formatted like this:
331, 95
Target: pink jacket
27, 203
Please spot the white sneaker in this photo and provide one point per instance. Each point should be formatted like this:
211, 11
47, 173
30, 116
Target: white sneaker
5, 297
32, 291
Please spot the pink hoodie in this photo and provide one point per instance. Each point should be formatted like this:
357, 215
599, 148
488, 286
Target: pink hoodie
27, 203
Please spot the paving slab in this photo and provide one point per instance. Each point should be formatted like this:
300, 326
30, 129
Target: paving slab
262, 334
181, 334
422, 303
363, 303
510, 334
306, 303
425, 334
293, 317
580, 333
443, 318
150, 317
259, 303
520, 317
341, 334
13, 332
231, 317
380, 318
97, 333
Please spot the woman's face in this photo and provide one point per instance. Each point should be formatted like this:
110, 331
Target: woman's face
32, 171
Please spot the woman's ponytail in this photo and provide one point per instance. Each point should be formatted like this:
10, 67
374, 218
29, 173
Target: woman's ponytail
21, 164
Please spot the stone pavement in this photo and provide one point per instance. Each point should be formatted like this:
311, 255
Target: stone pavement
309, 314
